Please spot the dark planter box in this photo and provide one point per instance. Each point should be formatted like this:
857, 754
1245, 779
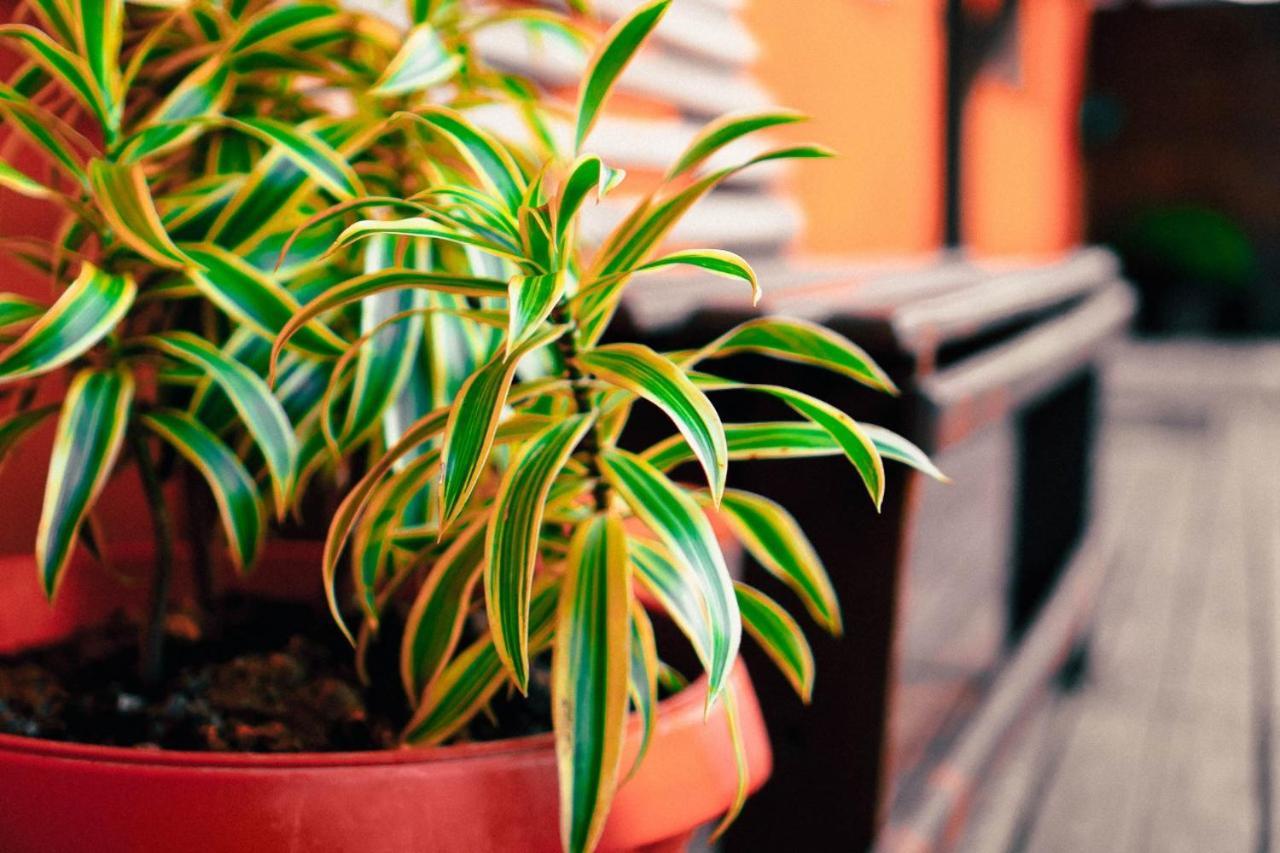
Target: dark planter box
998, 371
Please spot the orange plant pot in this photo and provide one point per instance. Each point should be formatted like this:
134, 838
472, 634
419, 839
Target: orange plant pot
494, 796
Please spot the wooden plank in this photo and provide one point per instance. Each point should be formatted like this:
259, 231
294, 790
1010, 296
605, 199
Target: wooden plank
1005, 809
1096, 795
1201, 792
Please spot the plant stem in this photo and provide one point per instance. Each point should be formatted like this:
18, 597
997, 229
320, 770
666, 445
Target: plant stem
151, 662
198, 518
567, 346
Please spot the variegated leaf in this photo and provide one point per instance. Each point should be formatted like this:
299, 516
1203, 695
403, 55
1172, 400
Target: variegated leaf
435, 621
261, 413
676, 519
640, 370
85, 313
780, 637
610, 59
589, 677
233, 489
512, 544
473, 421
91, 430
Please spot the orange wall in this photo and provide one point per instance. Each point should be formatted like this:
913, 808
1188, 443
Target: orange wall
1022, 178
869, 72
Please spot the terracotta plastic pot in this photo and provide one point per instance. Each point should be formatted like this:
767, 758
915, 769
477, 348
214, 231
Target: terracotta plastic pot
498, 796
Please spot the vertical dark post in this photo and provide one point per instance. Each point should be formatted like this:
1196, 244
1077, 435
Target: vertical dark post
832, 776
969, 44
1055, 454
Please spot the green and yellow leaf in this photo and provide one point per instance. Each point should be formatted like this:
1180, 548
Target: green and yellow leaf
799, 341
435, 621
261, 413
678, 522
91, 430
125, 202
775, 539
589, 677
715, 261
648, 374
473, 421
472, 678
512, 545
233, 489
779, 636
422, 62
81, 317
610, 59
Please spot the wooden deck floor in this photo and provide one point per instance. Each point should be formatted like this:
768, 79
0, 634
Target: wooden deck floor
1171, 741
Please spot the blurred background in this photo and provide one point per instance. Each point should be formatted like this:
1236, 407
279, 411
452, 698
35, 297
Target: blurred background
1057, 225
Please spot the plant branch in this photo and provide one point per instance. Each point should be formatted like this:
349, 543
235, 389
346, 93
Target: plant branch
199, 519
151, 661
567, 346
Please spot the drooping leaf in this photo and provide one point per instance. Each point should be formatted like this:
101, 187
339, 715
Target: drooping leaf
91, 429
490, 160
233, 489
844, 430
67, 68
615, 52
680, 594
643, 685
85, 313
354, 504
800, 341
734, 725
640, 370
779, 636
716, 261
676, 519
22, 184
374, 537
474, 676
589, 676
435, 621
260, 412
893, 446
512, 545
49, 134
773, 537
792, 439
473, 421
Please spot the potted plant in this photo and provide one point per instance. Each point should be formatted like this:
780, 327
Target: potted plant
444, 369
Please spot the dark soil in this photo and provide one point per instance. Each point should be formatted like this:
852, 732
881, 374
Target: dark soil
279, 679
